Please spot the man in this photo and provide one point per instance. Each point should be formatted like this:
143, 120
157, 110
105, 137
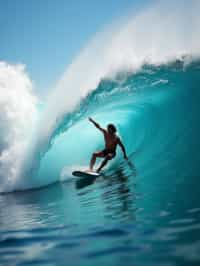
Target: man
111, 142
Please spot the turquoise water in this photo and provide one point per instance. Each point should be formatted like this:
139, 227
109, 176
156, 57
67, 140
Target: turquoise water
143, 213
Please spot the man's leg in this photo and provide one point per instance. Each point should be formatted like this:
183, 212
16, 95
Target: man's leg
109, 157
102, 164
93, 159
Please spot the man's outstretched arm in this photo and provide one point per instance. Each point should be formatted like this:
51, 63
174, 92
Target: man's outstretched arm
96, 125
123, 149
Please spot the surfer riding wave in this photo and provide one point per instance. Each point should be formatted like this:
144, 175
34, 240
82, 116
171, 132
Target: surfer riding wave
111, 141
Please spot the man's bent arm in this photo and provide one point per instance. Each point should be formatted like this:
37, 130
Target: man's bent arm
96, 125
123, 149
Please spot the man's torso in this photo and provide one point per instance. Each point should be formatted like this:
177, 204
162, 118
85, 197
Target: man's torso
111, 141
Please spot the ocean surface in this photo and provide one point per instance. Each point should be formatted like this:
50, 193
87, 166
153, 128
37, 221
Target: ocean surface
142, 212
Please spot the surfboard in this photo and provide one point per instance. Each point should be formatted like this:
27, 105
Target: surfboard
85, 174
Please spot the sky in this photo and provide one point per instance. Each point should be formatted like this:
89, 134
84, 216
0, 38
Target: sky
45, 35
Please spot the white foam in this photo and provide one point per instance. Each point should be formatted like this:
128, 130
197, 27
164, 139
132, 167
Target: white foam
17, 116
66, 172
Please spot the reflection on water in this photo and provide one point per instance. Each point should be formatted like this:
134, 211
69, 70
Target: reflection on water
108, 222
118, 197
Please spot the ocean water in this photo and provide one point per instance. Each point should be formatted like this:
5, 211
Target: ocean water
145, 212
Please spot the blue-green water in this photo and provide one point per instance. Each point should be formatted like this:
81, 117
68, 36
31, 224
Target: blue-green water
143, 213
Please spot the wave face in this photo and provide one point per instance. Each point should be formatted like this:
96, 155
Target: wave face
156, 111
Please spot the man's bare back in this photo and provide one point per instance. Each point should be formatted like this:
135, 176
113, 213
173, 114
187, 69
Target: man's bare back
111, 142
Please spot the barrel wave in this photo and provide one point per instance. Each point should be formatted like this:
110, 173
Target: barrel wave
156, 111
127, 75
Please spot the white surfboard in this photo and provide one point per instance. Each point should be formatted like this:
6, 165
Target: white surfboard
85, 174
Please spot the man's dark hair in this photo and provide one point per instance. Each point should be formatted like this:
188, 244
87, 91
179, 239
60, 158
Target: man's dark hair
112, 127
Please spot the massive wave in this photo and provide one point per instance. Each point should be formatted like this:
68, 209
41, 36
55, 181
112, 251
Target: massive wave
142, 74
